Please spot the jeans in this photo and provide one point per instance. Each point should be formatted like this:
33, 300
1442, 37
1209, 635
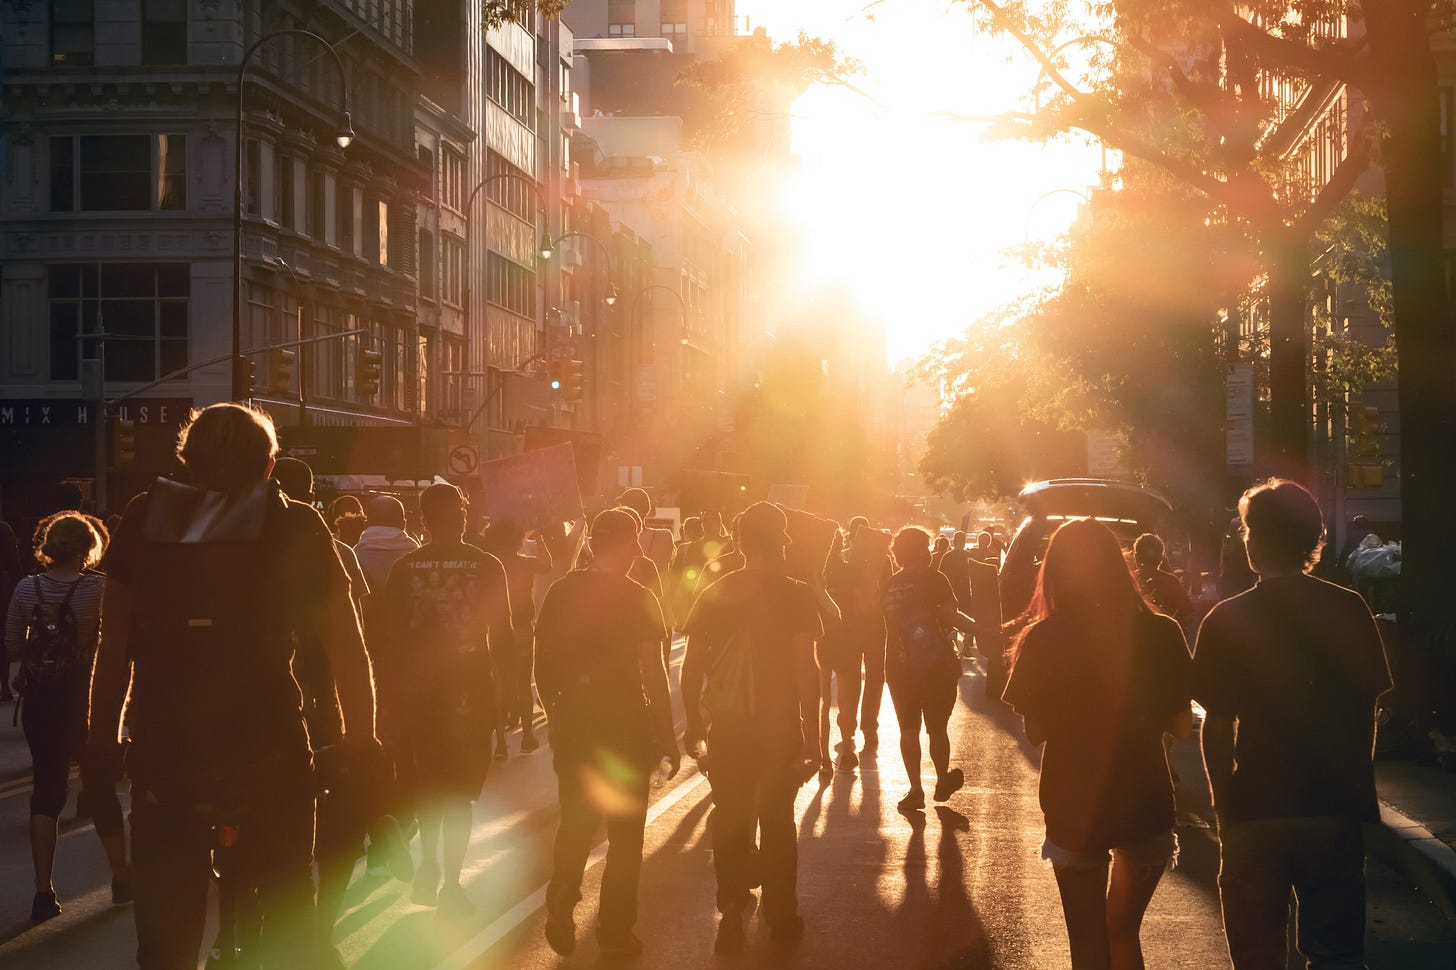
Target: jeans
754, 787
171, 866
581, 783
870, 643
54, 721
1322, 860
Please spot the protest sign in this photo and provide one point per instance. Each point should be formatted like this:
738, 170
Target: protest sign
531, 488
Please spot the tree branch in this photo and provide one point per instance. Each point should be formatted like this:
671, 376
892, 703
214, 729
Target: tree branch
1338, 60
1341, 183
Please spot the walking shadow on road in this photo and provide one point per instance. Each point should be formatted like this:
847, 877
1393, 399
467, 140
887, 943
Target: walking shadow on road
942, 918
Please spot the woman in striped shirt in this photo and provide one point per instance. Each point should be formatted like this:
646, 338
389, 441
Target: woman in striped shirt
54, 712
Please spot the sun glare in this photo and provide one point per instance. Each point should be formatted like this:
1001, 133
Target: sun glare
903, 204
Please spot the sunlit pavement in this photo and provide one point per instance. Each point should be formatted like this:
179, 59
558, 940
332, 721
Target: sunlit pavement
955, 887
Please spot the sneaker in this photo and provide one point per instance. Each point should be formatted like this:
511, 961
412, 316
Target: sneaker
871, 744
529, 742
120, 891
501, 751
730, 934
787, 931
915, 801
848, 760
561, 934
392, 849
826, 769
452, 903
45, 906
618, 944
948, 784
426, 888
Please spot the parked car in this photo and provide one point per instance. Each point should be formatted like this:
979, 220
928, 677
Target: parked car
1130, 510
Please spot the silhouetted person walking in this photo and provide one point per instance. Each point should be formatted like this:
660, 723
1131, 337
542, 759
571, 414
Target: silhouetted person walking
601, 678
750, 663
1099, 678
1289, 673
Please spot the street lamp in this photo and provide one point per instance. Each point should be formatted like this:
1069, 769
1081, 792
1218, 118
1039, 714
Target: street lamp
1026, 220
343, 138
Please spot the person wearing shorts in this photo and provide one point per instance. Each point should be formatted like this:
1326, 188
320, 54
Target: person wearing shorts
1099, 678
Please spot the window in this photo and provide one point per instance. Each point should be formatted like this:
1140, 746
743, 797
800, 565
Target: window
510, 285
509, 88
118, 173
164, 31
621, 30
674, 31
453, 291
427, 165
454, 187
349, 208
287, 196
427, 265
252, 177
73, 33
515, 195
142, 306
382, 232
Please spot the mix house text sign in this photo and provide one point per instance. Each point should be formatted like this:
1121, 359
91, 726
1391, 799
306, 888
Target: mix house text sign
60, 412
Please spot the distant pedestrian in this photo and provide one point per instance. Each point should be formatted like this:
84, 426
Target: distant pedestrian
384, 539
10, 573
860, 594
601, 678
657, 543
750, 664
1289, 673
984, 579
988, 548
342, 506
922, 667
688, 559
515, 701
444, 610
1162, 589
51, 628
938, 551
349, 527
841, 667
1234, 574
1098, 678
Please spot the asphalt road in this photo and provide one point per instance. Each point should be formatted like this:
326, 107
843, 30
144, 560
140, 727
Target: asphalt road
960, 886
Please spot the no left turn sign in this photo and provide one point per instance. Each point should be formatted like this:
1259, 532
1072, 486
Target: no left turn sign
463, 459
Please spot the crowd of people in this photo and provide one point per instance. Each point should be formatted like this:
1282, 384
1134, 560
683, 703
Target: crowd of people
306, 689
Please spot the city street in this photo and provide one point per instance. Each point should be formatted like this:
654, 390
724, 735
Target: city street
959, 886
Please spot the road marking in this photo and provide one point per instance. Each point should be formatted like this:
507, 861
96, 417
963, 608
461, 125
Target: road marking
505, 924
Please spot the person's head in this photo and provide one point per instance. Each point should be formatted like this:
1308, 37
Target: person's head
1283, 527
638, 501
855, 524
692, 529
345, 505
712, 524
911, 547
1085, 576
505, 537
295, 478
763, 532
613, 539
1148, 550
70, 540
443, 508
985, 540
349, 527
958, 541
385, 510
226, 447
636, 517
942, 545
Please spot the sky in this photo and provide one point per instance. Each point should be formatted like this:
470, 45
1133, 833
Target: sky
908, 212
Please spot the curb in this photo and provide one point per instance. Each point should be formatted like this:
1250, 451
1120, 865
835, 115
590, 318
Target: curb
1411, 849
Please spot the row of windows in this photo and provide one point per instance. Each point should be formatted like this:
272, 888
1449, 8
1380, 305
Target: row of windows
509, 88
516, 195
118, 173
510, 285
141, 307
73, 32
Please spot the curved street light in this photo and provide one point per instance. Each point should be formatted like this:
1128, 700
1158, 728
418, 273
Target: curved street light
343, 138
545, 249
1026, 220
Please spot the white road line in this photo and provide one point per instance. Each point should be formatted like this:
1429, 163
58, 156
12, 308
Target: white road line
506, 923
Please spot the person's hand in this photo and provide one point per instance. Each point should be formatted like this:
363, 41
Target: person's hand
104, 762
695, 743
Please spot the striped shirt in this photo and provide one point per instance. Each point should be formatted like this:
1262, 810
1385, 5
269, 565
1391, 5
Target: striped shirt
85, 606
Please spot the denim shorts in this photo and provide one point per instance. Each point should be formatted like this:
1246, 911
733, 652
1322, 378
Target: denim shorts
1156, 851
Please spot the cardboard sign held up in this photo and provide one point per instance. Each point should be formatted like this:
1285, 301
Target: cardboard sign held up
789, 496
531, 488
811, 538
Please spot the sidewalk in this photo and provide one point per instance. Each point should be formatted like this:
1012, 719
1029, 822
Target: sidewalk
1418, 837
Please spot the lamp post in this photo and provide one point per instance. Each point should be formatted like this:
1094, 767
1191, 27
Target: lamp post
343, 139
1026, 220
610, 300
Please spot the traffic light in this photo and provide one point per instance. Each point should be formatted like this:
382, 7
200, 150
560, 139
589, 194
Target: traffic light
571, 380
245, 377
123, 443
556, 373
281, 364
1364, 434
370, 372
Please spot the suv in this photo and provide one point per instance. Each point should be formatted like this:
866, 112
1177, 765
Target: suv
1129, 510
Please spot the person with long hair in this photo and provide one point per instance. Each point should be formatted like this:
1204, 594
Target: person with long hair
53, 710
1099, 678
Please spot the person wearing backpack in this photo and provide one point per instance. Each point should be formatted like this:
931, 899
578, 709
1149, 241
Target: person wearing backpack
750, 663
51, 628
208, 586
922, 667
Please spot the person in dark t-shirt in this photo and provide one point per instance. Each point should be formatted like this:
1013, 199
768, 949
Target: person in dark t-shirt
514, 700
445, 608
601, 678
1289, 673
921, 665
750, 663
1098, 678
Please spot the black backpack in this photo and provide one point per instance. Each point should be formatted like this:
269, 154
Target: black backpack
53, 643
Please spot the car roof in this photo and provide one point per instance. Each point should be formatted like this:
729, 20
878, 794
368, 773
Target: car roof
1098, 497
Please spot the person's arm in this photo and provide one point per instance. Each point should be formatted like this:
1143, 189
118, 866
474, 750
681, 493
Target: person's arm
17, 618
692, 676
1218, 757
806, 675
111, 677
659, 696
338, 626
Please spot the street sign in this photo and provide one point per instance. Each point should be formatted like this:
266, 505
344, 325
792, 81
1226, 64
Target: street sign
463, 459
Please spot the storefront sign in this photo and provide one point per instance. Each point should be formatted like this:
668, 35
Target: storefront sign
63, 412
